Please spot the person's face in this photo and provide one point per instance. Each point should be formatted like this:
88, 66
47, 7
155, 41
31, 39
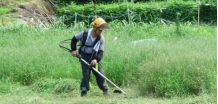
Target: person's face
98, 30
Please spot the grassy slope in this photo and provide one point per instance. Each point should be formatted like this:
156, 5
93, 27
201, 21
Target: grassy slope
19, 47
6, 17
34, 54
38, 55
11, 3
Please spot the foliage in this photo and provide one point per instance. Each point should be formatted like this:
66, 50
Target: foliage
139, 12
120, 1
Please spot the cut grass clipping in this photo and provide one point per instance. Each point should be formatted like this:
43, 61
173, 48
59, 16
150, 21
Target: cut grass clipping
55, 86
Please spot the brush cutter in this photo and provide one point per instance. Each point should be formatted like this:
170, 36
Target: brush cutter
117, 90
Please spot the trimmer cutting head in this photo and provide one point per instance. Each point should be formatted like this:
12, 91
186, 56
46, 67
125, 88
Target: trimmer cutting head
117, 91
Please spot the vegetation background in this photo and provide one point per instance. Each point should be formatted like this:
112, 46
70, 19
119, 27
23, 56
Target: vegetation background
168, 52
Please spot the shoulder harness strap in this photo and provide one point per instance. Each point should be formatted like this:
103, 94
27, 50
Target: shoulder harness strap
85, 35
97, 39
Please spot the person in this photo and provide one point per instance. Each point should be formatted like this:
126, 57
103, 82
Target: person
91, 49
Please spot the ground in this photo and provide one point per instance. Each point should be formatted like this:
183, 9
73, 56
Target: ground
24, 95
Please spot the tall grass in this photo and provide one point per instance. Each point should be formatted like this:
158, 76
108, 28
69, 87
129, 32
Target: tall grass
169, 65
187, 66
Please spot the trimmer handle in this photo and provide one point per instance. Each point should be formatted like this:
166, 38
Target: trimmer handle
78, 56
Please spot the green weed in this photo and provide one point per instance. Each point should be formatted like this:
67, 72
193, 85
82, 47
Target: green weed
167, 65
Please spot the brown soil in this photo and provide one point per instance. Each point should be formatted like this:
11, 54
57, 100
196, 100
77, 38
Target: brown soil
36, 12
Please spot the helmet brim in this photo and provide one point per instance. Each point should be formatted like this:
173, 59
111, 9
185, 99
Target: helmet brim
104, 26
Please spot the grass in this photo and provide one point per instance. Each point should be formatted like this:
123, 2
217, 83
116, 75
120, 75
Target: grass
186, 66
4, 10
165, 63
11, 3
25, 95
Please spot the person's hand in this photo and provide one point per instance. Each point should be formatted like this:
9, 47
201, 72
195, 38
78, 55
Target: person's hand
94, 62
75, 53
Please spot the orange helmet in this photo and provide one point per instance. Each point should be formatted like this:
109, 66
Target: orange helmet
100, 22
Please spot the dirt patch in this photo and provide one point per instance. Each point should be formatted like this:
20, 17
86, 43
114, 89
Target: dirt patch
36, 12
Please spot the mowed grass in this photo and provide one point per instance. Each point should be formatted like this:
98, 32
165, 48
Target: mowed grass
25, 95
152, 59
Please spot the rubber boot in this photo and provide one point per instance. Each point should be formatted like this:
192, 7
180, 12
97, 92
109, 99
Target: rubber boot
83, 93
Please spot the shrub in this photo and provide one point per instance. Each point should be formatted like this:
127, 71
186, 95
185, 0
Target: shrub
115, 1
139, 12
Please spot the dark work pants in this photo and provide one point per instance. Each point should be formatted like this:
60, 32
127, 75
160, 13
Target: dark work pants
86, 71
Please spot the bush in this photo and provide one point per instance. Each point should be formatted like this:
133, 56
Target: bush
115, 1
207, 13
139, 12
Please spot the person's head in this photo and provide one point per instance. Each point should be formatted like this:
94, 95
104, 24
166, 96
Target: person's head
99, 24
